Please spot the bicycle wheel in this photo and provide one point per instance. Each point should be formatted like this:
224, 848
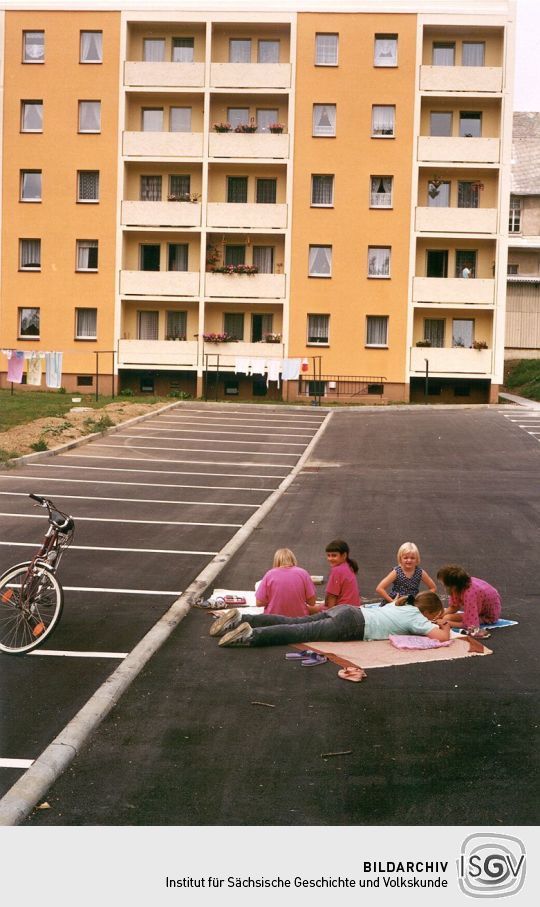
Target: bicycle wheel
31, 601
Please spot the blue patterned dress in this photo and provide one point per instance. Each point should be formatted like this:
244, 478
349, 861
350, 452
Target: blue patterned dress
405, 585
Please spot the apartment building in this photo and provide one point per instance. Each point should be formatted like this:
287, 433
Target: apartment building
259, 204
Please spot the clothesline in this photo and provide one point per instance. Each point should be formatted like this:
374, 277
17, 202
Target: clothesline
35, 359
289, 369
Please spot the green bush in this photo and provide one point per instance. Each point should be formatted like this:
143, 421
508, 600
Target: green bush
40, 445
180, 395
127, 392
7, 455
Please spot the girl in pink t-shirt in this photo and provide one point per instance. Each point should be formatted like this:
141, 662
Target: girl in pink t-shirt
342, 587
286, 589
472, 601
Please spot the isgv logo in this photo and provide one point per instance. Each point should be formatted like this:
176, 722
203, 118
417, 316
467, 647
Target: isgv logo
491, 866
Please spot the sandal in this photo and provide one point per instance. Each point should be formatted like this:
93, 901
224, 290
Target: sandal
354, 674
314, 659
298, 656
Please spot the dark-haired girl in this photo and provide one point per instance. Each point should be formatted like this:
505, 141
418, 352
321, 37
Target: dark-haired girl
342, 587
472, 600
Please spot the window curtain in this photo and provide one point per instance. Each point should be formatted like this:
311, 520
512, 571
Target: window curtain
240, 51
179, 184
29, 322
443, 54
381, 191
322, 190
266, 191
233, 324
91, 46
318, 328
324, 119
87, 255
473, 53
267, 323
237, 190
30, 253
235, 255
320, 260
86, 322
148, 325
327, 48
383, 119
152, 120
442, 198
263, 259
34, 46
265, 118
238, 116
377, 330
31, 185
178, 257
88, 185
154, 50
379, 262
385, 51
90, 116
176, 324
434, 331
150, 188
463, 332
33, 116
268, 52
468, 195
180, 120
182, 50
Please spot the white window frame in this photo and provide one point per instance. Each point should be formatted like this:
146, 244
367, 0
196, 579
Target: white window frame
25, 58
89, 131
20, 311
514, 214
373, 180
22, 266
37, 198
371, 250
370, 321
313, 254
81, 245
380, 134
83, 39
327, 176
331, 110
86, 201
27, 103
326, 340
320, 52
79, 335
379, 39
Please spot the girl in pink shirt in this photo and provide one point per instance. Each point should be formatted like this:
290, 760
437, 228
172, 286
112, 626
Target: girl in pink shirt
286, 589
472, 600
342, 587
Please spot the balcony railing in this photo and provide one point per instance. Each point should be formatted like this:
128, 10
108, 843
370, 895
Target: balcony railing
250, 75
453, 291
161, 214
171, 354
243, 286
461, 78
448, 362
159, 283
459, 150
163, 144
248, 145
164, 75
456, 220
234, 214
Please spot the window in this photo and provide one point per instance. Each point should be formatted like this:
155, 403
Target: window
514, 222
383, 120
88, 186
28, 323
147, 327
30, 254
85, 324
33, 47
512, 270
320, 261
385, 50
318, 330
465, 262
268, 51
434, 331
179, 185
444, 54
180, 119
235, 255
261, 325
322, 190
438, 195
233, 324
265, 118
150, 190
91, 47
266, 191
176, 326
240, 50
87, 254
150, 256
152, 119
85, 380
437, 263
237, 188
177, 257
31, 116
324, 120
381, 192
31, 185
379, 261
473, 53
377, 330
154, 50
263, 259
183, 50
89, 116
470, 124
468, 194
463, 332
440, 123
326, 50
238, 116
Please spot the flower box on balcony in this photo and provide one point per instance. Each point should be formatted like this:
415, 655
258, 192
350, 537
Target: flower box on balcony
235, 269
220, 338
222, 127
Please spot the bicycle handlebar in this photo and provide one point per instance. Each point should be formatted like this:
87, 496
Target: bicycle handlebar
40, 500
60, 520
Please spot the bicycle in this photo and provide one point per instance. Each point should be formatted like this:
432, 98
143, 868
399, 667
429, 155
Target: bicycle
31, 598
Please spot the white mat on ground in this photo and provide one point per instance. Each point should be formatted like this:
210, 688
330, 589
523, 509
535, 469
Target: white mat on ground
249, 608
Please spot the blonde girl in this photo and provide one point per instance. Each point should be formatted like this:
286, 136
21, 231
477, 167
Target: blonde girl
406, 577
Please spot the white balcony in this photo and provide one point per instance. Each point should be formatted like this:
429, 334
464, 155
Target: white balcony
452, 149
164, 75
250, 75
248, 145
161, 214
456, 220
245, 286
453, 291
163, 144
449, 362
170, 354
246, 216
228, 352
448, 79
159, 283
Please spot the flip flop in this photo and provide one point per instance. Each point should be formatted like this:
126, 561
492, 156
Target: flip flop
298, 656
354, 674
314, 659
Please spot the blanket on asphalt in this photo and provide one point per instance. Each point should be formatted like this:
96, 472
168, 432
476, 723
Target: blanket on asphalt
382, 654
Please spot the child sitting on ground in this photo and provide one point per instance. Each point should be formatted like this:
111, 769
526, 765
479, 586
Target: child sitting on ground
406, 577
472, 601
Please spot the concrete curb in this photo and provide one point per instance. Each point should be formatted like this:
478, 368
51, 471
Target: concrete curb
27, 792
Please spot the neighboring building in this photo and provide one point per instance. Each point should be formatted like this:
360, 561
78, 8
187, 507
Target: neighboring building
523, 294
330, 187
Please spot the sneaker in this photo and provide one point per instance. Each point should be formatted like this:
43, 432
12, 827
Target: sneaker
229, 620
238, 637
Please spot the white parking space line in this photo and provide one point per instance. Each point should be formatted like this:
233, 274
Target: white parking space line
211, 431
137, 484
241, 440
117, 591
123, 550
247, 453
16, 763
164, 472
175, 472
97, 519
247, 416
71, 654
93, 497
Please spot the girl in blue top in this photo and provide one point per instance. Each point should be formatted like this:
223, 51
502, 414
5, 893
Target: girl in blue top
406, 577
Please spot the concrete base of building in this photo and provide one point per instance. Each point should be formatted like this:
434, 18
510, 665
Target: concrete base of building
453, 390
71, 384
